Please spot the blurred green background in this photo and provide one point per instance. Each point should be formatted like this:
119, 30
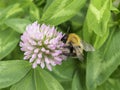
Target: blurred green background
95, 21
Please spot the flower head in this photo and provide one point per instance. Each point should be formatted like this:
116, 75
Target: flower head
42, 45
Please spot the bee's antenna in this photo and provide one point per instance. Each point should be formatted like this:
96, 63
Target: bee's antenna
68, 30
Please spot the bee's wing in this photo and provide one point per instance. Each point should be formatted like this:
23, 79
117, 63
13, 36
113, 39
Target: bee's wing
79, 53
87, 47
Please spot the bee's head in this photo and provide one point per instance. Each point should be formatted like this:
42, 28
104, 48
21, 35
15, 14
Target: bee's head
64, 38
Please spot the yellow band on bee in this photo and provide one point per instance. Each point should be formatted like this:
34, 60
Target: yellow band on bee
73, 38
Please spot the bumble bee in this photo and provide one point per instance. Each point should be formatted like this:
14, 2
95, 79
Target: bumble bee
74, 46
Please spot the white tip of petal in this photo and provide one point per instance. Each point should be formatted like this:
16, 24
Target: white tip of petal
34, 65
49, 67
43, 49
39, 43
47, 60
26, 57
47, 52
42, 65
58, 59
58, 62
39, 55
52, 63
36, 50
30, 48
31, 60
38, 61
34, 56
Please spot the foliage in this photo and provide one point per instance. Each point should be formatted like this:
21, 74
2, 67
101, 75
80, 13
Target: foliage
95, 21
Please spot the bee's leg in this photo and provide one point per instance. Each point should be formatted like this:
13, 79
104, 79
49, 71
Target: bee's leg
67, 46
66, 54
68, 50
79, 52
69, 54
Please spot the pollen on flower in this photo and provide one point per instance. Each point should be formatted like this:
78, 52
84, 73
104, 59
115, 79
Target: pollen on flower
42, 45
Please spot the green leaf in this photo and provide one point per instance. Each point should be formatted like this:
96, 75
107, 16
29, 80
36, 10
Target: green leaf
44, 81
110, 84
17, 24
27, 83
98, 16
8, 41
37, 80
9, 11
76, 84
87, 34
60, 11
65, 71
115, 10
34, 12
7, 88
96, 25
116, 73
102, 63
48, 4
12, 71
99, 41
